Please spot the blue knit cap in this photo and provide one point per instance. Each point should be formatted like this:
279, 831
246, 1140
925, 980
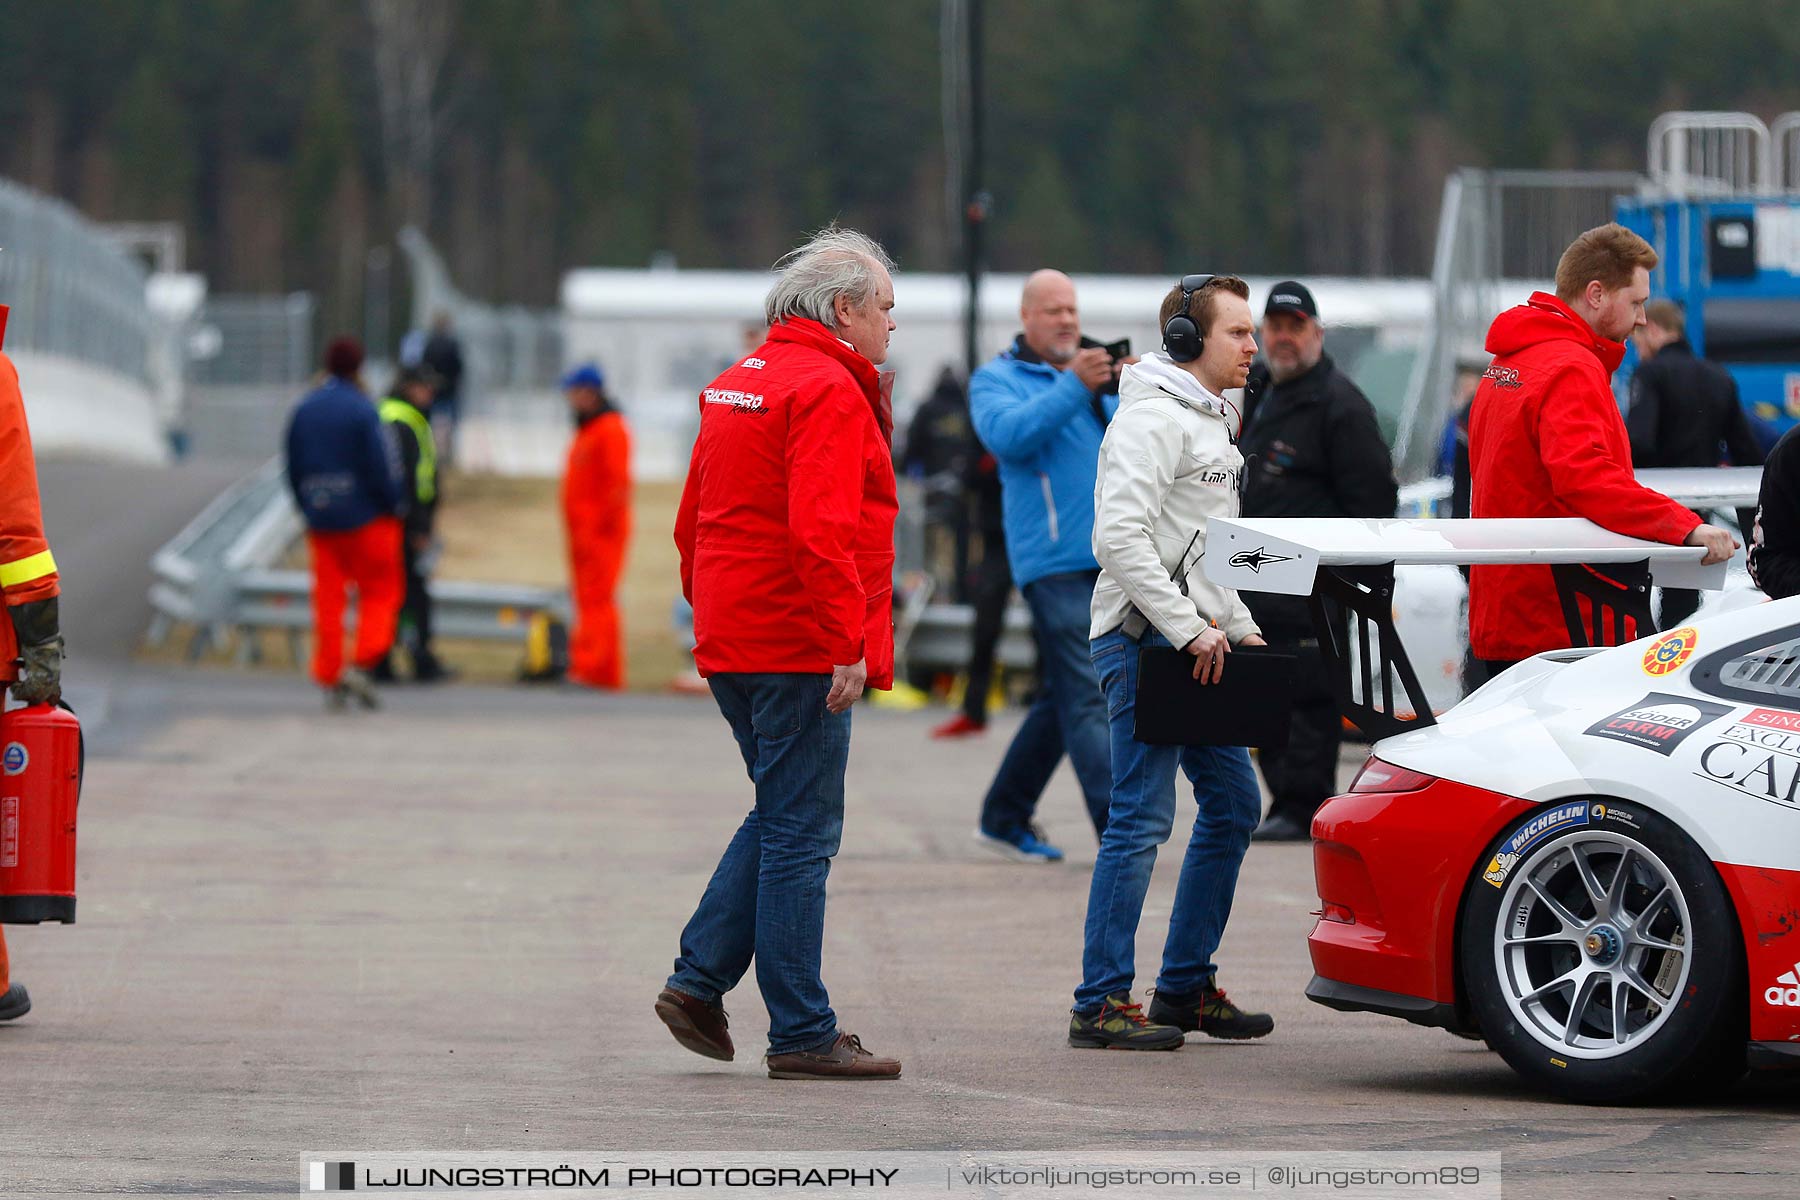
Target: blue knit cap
586, 375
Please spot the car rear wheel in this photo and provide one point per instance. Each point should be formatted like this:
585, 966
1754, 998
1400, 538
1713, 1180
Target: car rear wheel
1602, 958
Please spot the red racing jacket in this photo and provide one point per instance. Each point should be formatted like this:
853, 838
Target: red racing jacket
786, 525
1546, 440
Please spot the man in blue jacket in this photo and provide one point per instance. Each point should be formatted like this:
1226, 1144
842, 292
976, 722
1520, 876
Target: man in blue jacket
345, 477
1041, 408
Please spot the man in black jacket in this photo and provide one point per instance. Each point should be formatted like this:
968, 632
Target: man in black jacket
1775, 537
1684, 412
442, 356
405, 415
1311, 449
941, 445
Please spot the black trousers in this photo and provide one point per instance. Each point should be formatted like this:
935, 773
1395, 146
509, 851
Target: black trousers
415, 611
991, 589
1303, 774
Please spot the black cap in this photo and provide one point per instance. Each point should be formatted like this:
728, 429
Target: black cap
1291, 296
417, 373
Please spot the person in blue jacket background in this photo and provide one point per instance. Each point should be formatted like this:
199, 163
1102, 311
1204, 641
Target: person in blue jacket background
345, 476
1041, 408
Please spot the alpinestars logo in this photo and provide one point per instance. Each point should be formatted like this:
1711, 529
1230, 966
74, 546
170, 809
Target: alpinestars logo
1786, 992
1258, 558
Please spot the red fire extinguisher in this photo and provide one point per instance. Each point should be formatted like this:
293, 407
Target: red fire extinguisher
40, 783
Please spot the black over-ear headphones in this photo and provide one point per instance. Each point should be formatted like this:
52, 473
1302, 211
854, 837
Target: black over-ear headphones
1181, 336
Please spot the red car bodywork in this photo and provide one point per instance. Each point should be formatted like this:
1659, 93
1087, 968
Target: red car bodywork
1392, 868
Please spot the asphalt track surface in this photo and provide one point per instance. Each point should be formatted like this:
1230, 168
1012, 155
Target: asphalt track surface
442, 926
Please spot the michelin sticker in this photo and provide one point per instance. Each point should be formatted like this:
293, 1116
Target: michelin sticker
1550, 821
1758, 756
1659, 721
1615, 814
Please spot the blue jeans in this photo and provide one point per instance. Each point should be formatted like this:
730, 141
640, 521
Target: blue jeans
1143, 815
1069, 713
766, 899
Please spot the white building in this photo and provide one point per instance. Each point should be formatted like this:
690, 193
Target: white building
662, 335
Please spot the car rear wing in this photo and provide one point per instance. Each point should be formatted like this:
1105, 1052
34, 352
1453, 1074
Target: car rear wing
1346, 565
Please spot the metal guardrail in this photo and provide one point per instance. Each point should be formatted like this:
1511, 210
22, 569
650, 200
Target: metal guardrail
1499, 234
940, 635
73, 292
934, 635
219, 577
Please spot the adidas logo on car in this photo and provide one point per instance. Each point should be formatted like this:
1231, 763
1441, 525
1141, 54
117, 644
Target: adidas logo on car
1786, 992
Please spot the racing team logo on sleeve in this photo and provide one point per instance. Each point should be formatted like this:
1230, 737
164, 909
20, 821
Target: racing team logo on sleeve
1671, 651
1658, 722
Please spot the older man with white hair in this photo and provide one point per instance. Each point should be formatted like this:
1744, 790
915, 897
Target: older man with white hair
786, 534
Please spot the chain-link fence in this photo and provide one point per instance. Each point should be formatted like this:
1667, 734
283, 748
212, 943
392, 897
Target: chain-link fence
511, 417
248, 360
243, 339
1500, 234
73, 292
504, 349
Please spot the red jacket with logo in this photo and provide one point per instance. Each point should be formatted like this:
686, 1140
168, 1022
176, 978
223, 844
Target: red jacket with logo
1546, 440
786, 526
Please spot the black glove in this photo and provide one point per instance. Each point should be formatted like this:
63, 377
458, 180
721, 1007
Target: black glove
41, 646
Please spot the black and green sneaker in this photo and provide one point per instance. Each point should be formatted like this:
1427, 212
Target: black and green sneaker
1120, 1025
1211, 1012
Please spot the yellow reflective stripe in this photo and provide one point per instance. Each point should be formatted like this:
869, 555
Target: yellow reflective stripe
24, 570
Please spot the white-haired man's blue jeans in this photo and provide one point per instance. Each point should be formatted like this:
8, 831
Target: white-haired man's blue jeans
1141, 817
766, 898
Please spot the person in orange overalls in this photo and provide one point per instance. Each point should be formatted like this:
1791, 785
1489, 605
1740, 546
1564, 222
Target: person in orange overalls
31, 642
345, 476
596, 500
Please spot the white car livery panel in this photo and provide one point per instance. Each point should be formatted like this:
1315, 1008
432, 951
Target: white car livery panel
1629, 723
1593, 862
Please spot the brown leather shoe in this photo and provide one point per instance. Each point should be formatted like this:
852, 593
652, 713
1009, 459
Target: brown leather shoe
844, 1059
699, 1026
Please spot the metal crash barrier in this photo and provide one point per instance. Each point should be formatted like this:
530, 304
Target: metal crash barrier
219, 579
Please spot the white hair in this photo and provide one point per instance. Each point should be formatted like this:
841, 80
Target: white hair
833, 262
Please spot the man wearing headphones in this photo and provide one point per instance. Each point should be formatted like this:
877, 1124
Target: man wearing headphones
1168, 465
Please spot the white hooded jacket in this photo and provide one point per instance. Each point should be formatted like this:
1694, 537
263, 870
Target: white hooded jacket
1168, 464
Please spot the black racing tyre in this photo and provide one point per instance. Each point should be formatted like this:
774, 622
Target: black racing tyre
1602, 956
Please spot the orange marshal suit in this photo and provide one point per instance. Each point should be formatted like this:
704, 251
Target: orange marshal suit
596, 501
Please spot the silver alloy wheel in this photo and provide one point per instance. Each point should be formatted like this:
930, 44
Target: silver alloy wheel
1591, 946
